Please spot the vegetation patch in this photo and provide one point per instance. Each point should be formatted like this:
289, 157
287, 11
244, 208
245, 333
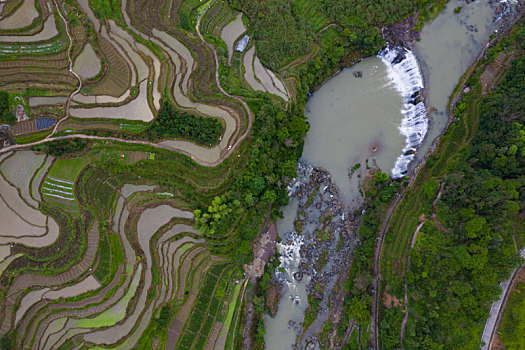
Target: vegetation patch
173, 123
468, 248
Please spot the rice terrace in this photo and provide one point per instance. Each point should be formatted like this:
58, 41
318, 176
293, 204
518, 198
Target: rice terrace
261, 174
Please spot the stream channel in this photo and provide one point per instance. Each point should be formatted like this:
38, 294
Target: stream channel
377, 119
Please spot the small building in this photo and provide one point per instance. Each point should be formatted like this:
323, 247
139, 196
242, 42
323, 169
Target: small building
32, 125
241, 45
21, 113
5, 137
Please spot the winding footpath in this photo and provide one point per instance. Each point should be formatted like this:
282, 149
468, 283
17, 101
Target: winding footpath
217, 81
115, 139
414, 238
71, 63
199, 160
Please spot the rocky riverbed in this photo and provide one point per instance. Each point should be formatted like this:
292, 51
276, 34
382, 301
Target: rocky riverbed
325, 228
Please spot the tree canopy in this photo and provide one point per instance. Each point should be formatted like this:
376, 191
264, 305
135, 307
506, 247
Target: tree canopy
173, 123
5, 113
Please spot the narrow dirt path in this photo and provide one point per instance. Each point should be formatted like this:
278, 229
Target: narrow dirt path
405, 319
423, 220
377, 267
230, 148
116, 139
71, 63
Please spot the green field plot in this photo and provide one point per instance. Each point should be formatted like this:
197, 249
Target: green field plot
188, 13
122, 156
135, 128
232, 307
68, 169
59, 185
14, 50
97, 188
57, 188
209, 307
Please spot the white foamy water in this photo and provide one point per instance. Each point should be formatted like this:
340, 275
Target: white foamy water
304, 171
290, 258
283, 329
405, 75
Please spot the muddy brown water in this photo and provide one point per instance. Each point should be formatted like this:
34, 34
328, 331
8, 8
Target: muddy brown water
352, 120
355, 119
448, 46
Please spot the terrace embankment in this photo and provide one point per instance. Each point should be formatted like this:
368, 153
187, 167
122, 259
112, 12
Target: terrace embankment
135, 253
141, 54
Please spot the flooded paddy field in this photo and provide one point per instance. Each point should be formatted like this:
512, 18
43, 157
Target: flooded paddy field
260, 78
137, 109
22, 220
87, 64
21, 177
49, 31
153, 256
231, 32
46, 100
22, 17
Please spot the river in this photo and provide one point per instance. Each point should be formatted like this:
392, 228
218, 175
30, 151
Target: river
376, 119
351, 120
448, 46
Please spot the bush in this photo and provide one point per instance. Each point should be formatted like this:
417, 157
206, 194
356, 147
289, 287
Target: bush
5, 114
61, 147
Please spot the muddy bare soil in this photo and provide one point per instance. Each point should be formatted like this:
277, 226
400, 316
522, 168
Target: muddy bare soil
273, 295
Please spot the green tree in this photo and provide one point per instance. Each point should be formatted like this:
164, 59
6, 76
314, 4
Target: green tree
6, 116
219, 216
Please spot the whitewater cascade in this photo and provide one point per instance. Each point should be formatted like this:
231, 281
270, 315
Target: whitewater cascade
304, 171
290, 252
404, 73
290, 258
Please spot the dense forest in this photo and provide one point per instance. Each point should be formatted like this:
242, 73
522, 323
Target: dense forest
61, 147
291, 28
456, 268
278, 143
359, 14
280, 34
173, 123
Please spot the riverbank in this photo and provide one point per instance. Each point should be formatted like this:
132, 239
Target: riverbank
317, 251
406, 217
366, 148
